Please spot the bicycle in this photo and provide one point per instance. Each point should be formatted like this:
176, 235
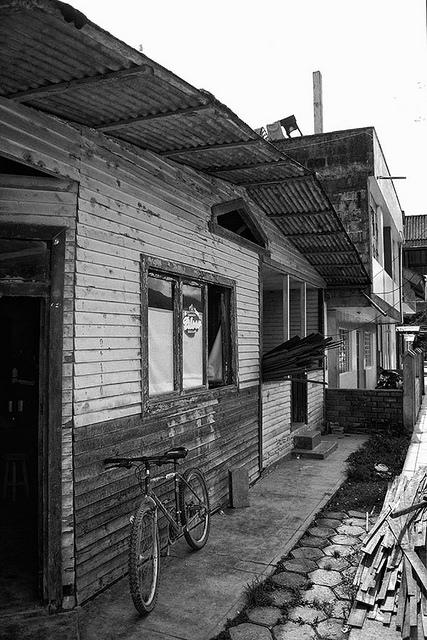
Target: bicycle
190, 518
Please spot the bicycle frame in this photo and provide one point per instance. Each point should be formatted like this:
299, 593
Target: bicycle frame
174, 475
176, 522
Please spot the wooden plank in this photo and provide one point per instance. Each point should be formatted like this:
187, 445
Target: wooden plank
401, 603
417, 566
357, 616
370, 545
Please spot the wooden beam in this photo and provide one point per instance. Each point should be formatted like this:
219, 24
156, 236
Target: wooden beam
213, 147
297, 214
255, 165
61, 87
308, 235
120, 124
266, 183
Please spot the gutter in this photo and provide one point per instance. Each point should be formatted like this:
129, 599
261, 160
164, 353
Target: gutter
374, 304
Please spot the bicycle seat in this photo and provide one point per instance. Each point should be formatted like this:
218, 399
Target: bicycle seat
176, 454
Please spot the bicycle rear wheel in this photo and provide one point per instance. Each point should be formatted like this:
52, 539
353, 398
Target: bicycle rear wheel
194, 505
144, 559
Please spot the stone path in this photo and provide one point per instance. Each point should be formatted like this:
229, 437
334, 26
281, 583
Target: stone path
311, 589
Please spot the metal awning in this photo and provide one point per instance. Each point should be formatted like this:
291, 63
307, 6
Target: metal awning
55, 60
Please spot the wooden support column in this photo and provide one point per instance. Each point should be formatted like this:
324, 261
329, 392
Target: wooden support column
285, 294
303, 306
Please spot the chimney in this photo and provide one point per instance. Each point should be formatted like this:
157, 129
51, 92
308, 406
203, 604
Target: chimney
317, 102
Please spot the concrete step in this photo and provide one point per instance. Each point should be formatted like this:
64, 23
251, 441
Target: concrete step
307, 440
320, 452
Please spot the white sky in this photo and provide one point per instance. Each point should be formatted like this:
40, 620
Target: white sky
258, 57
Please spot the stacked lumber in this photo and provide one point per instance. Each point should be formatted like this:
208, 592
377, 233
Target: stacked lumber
295, 356
391, 578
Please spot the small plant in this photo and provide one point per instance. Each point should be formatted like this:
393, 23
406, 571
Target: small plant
326, 607
258, 593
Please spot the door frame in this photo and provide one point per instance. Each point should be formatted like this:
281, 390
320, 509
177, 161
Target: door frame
50, 397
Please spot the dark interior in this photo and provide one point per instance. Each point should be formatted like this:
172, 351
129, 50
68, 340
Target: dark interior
19, 445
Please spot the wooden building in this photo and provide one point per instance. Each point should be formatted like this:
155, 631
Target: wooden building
148, 239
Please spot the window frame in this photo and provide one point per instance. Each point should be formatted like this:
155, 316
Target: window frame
345, 349
368, 349
239, 205
184, 274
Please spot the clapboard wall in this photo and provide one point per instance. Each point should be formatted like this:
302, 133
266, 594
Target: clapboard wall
131, 202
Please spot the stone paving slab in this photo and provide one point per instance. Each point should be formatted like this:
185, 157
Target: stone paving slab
265, 616
293, 631
247, 631
300, 565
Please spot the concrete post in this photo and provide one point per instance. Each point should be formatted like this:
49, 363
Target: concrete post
408, 362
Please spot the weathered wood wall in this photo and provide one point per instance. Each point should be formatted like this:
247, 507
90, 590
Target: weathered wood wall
276, 421
277, 432
131, 202
315, 399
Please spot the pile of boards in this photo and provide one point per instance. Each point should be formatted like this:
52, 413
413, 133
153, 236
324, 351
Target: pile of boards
295, 356
391, 578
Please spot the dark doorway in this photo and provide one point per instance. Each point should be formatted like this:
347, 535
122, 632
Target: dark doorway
299, 400
20, 551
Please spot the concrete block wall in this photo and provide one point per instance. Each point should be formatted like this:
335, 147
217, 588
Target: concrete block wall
365, 409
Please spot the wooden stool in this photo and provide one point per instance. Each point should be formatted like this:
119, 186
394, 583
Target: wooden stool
15, 474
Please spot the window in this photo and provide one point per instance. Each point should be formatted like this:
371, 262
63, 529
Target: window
344, 351
235, 221
375, 230
368, 349
189, 329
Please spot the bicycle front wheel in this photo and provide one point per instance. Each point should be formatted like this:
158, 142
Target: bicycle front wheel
144, 559
194, 505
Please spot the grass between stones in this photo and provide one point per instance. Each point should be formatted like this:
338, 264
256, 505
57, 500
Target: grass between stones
364, 490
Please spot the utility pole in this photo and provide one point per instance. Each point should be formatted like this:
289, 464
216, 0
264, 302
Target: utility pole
317, 102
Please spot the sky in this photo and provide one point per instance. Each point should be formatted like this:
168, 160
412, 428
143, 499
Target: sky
258, 57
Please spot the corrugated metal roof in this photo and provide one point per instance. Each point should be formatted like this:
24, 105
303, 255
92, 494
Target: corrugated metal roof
57, 61
416, 231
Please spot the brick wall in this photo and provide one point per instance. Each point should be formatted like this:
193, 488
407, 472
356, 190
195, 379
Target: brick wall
365, 409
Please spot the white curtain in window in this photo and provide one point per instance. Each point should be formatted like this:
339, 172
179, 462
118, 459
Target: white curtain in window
192, 351
215, 359
160, 351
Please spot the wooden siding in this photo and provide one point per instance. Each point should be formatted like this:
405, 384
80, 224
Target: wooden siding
273, 333
221, 431
312, 311
132, 202
276, 421
315, 400
277, 436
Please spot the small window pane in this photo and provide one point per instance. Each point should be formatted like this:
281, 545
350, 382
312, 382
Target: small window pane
23, 259
344, 351
192, 337
219, 336
368, 349
160, 336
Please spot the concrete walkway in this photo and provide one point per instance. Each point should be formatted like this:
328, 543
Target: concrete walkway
200, 590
